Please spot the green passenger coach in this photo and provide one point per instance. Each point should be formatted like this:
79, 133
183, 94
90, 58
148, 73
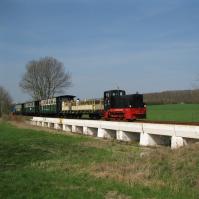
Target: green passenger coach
18, 109
48, 106
53, 106
30, 108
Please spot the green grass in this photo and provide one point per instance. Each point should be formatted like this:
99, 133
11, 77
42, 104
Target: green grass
36, 164
173, 112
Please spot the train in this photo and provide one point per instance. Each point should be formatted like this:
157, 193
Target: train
115, 105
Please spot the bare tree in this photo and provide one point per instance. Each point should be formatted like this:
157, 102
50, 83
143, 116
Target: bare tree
45, 78
5, 101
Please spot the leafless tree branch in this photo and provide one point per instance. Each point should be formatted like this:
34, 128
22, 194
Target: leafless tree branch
45, 78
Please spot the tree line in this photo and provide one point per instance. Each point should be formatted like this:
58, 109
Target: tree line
173, 97
5, 101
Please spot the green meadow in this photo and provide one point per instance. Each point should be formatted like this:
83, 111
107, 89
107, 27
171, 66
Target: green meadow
41, 164
173, 112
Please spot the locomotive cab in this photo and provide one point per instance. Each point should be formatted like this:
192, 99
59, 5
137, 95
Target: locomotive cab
109, 95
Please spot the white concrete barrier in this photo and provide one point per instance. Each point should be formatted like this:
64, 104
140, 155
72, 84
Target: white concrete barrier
148, 134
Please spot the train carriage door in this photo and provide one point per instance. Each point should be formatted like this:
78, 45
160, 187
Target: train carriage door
36, 107
107, 104
59, 105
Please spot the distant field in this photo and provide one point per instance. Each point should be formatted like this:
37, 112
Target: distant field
174, 112
38, 164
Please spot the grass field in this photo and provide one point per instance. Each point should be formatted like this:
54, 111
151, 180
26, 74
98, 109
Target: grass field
174, 112
38, 164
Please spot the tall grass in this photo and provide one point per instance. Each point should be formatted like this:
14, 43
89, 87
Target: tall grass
36, 164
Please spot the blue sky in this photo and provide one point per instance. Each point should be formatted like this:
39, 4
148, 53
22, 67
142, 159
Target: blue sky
136, 45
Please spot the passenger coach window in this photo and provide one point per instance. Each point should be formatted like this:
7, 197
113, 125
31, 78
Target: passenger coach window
107, 94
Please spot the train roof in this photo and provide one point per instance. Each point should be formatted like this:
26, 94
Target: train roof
66, 96
114, 90
61, 96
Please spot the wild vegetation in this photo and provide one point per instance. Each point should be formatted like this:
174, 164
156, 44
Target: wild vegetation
38, 164
5, 101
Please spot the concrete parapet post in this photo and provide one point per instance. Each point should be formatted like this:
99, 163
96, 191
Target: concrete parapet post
74, 130
100, 133
56, 126
85, 130
127, 136
64, 127
177, 142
